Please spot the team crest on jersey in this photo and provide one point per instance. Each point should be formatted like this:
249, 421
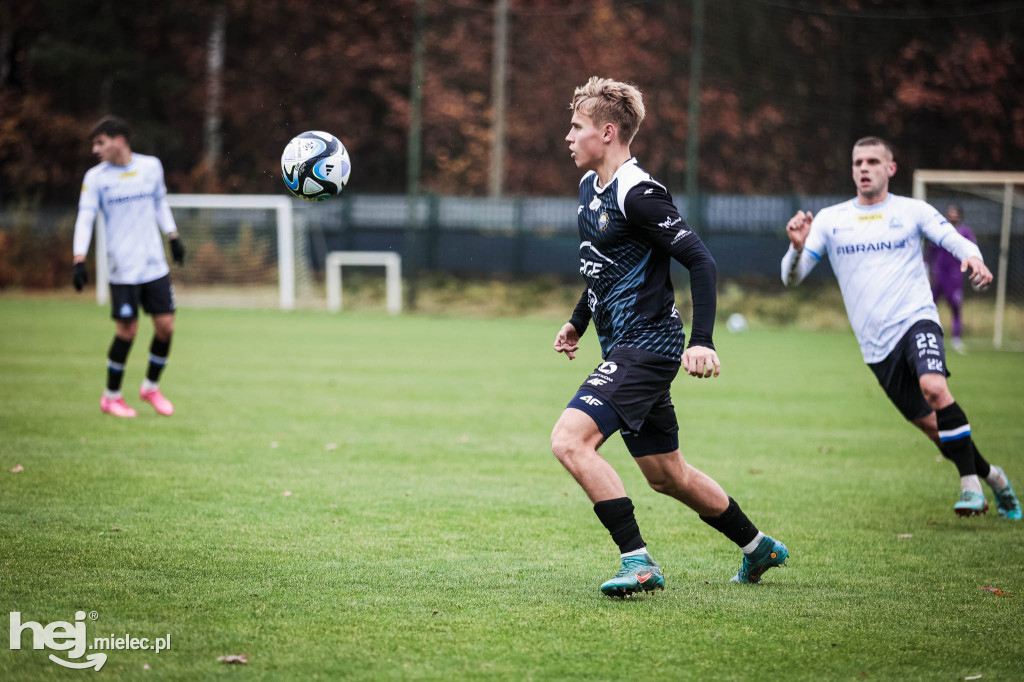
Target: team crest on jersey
595, 204
602, 221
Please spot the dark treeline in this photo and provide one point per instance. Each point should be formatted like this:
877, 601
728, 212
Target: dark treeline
788, 86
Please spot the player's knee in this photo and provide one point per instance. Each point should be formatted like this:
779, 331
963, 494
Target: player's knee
563, 445
164, 329
664, 484
127, 330
669, 481
936, 394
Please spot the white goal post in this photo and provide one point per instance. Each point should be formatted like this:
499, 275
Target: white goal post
282, 206
988, 183
391, 262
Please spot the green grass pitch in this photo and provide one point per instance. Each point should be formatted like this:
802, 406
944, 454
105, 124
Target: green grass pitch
429, 534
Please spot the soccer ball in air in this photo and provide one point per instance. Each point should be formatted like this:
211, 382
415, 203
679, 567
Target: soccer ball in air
315, 165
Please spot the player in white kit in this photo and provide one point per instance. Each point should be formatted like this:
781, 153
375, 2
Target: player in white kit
129, 189
874, 245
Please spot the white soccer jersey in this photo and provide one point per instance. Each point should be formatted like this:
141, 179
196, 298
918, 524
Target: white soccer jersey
133, 202
875, 252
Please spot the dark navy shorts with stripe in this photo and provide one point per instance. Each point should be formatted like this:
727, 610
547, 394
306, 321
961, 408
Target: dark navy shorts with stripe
921, 351
156, 298
629, 392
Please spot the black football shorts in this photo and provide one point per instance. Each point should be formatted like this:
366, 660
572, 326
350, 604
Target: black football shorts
155, 298
629, 392
921, 351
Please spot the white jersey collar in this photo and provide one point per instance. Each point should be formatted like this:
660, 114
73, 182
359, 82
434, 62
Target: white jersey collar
620, 169
131, 160
861, 207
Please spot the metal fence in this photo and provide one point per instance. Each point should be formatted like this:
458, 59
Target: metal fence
529, 235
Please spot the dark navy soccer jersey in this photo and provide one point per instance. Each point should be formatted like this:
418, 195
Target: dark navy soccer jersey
628, 231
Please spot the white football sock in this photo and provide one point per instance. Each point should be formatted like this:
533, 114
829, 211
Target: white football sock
996, 479
752, 545
148, 386
111, 395
970, 483
636, 552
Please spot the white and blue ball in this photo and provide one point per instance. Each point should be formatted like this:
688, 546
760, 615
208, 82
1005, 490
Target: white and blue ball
315, 165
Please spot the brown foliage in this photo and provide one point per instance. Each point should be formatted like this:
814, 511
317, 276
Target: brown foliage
784, 94
33, 258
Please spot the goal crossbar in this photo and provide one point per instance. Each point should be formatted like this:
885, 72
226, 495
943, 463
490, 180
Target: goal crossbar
391, 261
285, 235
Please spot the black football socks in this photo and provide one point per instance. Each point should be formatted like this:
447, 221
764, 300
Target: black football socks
733, 524
158, 351
955, 439
617, 516
116, 358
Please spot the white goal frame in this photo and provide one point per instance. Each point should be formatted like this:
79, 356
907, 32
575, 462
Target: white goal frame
1008, 179
285, 236
391, 261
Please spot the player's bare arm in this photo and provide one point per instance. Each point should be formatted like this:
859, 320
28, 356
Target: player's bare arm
567, 341
980, 275
798, 227
701, 362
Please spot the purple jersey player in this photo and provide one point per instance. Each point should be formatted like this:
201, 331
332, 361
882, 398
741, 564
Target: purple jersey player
947, 279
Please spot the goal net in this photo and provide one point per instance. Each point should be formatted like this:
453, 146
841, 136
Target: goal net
991, 204
241, 251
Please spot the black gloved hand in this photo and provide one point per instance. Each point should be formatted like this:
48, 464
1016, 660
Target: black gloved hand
79, 276
178, 251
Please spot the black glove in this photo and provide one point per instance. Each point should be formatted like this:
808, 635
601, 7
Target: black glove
79, 276
178, 251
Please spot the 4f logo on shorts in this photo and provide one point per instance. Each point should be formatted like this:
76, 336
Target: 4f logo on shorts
935, 365
591, 400
597, 381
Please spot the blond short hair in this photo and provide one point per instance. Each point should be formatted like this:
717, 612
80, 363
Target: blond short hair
608, 101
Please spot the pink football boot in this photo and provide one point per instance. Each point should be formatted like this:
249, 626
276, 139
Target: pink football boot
158, 401
116, 407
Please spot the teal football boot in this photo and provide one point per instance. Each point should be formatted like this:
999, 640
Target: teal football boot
1006, 502
769, 554
639, 573
970, 504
